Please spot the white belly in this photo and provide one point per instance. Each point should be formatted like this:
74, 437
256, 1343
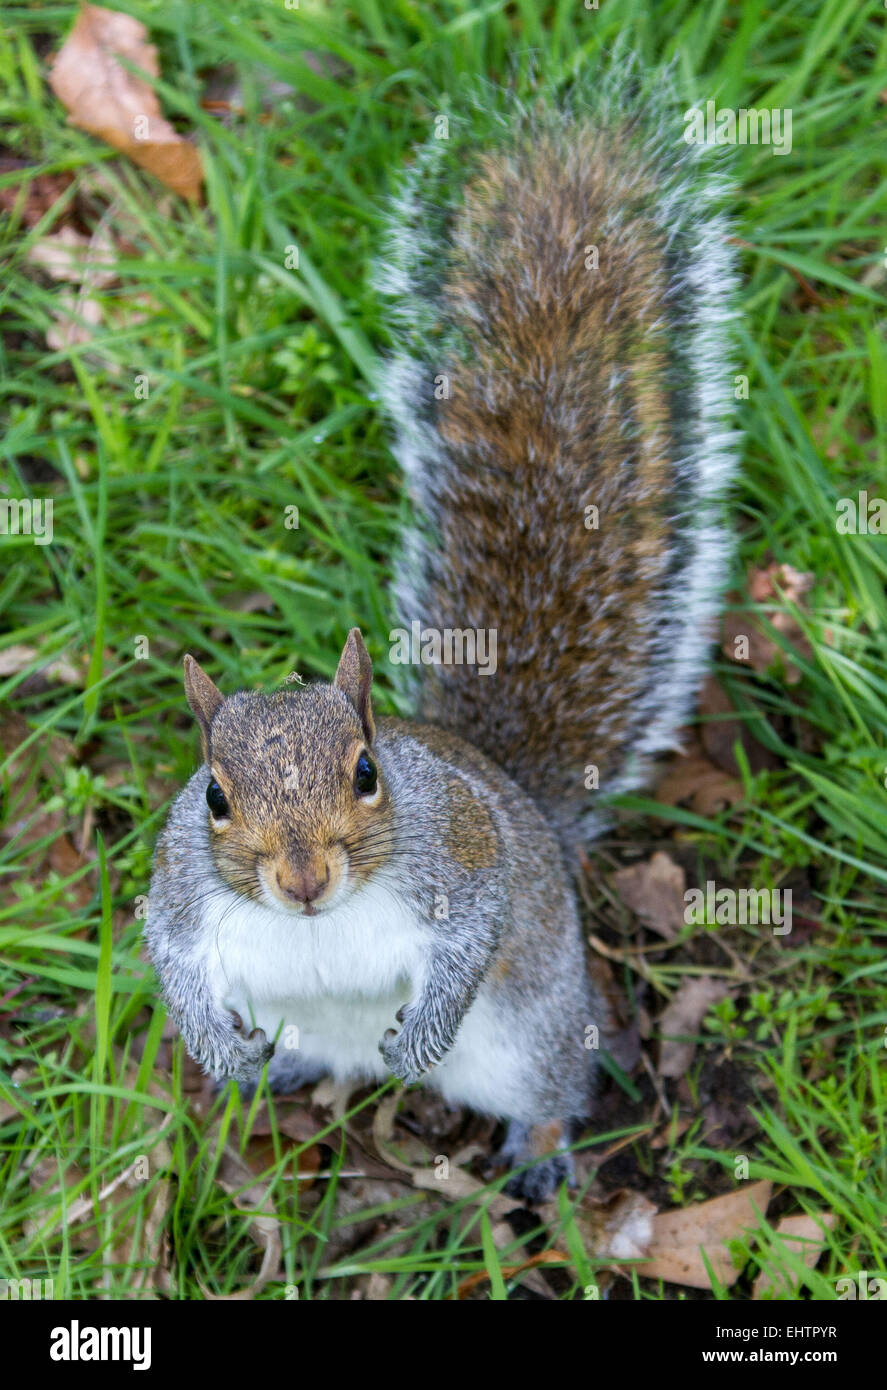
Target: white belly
328, 985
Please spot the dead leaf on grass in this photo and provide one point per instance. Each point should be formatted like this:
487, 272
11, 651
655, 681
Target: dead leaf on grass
65, 860
805, 1236
744, 638
34, 195
680, 1236
682, 1016
122, 109
70, 256
15, 658
296, 1128
82, 262
619, 1227
721, 728
655, 892
235, 1178
690, 778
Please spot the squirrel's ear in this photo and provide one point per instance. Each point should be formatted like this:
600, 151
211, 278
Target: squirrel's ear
203, 697
354, 675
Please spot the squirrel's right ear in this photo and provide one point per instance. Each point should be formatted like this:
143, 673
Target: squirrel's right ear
203, 697
354, 675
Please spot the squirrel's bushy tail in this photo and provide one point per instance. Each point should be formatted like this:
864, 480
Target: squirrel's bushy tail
560, 279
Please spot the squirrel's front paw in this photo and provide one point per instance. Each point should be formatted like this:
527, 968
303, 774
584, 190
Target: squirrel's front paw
251, 1051
407, 1054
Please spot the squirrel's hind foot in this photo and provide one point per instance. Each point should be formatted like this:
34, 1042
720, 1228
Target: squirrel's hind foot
541, 1179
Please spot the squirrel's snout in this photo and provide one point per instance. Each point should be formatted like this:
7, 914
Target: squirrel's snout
302, 886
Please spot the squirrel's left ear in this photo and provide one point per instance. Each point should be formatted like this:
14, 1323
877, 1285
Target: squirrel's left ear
354, 675
203, 697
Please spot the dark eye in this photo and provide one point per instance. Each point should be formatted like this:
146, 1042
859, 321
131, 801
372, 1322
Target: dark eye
216, 801
365, 776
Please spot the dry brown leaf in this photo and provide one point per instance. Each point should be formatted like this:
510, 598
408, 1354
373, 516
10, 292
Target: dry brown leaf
235, 1178
15, 658
679, 1237
293, 1123
683, 1015
34, 195
527, 1267
619, 1227
691, 778
69, 256
60, 255
86, 262
671, 1132
655, 891
626, 1227
805, 1236
775, 584
76, 319
101, 96
721, 728
65, 859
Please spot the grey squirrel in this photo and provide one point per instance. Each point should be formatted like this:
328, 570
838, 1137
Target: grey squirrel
561, 357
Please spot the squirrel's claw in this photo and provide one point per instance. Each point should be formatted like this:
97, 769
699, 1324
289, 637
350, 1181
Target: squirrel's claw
402, 1056
251, 1051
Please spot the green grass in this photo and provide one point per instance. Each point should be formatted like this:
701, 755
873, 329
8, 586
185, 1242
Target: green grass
170, 526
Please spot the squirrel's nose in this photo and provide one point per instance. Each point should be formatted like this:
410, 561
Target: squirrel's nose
302, 887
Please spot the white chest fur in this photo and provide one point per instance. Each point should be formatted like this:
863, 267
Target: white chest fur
328, 985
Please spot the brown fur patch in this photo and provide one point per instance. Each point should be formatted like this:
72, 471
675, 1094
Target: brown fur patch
471, 836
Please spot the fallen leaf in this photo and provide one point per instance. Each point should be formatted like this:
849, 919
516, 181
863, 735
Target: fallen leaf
671, 1132
60, 255
680, 1236
721, 728
691, 778
234, 1177
34, 196
102, 97
743, 635
76, 319
655, 892
86, 262
683, 1015
295, 1128
619, 1029
804, 1236
627, 1225
15, 658
510, 1271
619, 1227
779, 581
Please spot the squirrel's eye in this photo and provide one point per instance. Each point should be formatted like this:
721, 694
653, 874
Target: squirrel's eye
365, 776
216, 800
